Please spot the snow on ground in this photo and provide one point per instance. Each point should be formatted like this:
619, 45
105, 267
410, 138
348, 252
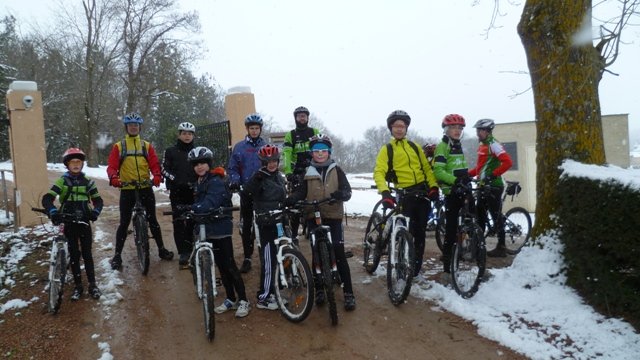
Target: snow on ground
526, 306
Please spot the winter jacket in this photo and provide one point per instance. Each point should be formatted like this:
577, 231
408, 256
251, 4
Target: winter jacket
75, 192
297, 155
320, 182
244, 161
493, 159
449, 163
267, 189
135, 165
176, 169
211, 194
411, 167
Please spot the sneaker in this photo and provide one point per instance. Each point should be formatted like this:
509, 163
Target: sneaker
183, 262
94, 292
243, 309
226, 306
165, 254
349, 302
246, 266
499, 251
116, 262
320, 299
77, 293
268, 304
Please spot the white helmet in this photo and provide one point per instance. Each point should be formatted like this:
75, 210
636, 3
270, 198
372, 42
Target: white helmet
187, 126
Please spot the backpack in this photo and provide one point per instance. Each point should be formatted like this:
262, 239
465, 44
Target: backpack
123, 150
391, 176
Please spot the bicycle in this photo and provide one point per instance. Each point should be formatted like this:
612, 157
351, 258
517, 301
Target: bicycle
293, 282
324, 257
469, 253
59, 260
202, 263
387, 233
140, 228
517, 221
437, 220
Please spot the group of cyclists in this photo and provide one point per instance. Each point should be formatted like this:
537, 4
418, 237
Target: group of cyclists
308, 173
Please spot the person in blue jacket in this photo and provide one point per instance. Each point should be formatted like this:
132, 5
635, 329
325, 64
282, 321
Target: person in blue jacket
243, 164
211, 194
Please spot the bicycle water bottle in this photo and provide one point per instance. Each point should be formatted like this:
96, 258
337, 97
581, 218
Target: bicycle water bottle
280, 229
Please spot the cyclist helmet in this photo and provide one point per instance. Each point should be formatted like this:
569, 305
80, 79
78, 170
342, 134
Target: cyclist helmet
453, 119
187, 126
72, 153
132, 118
268, 153
299, 110
253, 119
200, 154
485, 124
398, 115
320, 139
429, 150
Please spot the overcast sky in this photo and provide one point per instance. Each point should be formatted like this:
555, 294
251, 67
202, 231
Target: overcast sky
353, 62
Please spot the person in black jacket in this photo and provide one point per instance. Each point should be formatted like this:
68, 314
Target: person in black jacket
180, 178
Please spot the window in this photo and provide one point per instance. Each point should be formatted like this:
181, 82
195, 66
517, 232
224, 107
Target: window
512, 150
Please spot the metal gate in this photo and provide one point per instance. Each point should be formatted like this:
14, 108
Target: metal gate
217, 137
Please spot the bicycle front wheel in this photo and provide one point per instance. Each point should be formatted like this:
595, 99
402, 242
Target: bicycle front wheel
141, 237
57, 276
400, 267
208, 288
372, 242
468, 261
517, 229
295, 293
327, 279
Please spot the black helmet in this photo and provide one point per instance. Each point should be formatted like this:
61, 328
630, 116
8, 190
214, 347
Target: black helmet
398, 115
199, 155
486, 124
300, 109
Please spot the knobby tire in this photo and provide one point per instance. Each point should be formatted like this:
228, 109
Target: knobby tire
296, 298
208, 288
440, 228
517, 229
142, 243
468, 261
372, 242
57, 277
327, 278
400, 276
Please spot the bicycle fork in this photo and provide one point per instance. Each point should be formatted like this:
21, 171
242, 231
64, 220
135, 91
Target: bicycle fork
316, 254
398, 222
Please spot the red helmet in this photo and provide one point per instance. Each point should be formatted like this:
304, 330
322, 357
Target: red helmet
72, 153
429, 150
269, 152
453, 119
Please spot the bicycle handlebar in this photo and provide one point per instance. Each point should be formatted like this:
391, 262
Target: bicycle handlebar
215, 213
76, 218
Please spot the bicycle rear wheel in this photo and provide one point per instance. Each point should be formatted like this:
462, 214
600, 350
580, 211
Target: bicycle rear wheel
399, 276
372, 242
141, 237
208, 288
57, 277
295, 297
468, 260
327, 279
517, 229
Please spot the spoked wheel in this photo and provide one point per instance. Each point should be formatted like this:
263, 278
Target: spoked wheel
141, 237
208, 288
295, 297
372, 242
517, 229
440, 227
468, 261
327, 279
57, 275
400, 274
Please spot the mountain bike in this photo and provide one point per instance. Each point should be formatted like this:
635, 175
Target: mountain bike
293, 282
517, 221
469, 253
59, 260
324, 257
387, 233
436, 222
202, 262
140, 227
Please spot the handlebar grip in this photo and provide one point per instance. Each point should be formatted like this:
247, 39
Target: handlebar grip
40, 210
167, 213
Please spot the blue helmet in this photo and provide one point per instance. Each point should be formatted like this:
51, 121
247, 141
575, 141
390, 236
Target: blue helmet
132, 118
253, 119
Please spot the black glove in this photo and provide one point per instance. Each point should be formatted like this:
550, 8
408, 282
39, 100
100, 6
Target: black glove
489, 179
289, 202
388, 202
55, 216
94, 215
234, 186
337, 195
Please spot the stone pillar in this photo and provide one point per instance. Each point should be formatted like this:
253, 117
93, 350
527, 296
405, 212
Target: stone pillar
28, 155
238, 103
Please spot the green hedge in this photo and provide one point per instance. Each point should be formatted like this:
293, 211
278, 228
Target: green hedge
600, 224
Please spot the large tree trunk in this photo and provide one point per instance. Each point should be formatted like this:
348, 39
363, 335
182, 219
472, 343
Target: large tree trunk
565, 78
